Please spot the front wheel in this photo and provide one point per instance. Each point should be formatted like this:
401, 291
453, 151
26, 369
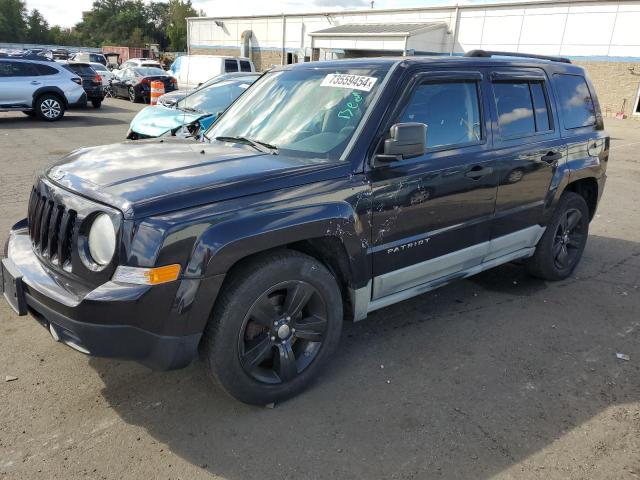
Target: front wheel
276, 323
560, 249
96, 103
133, 98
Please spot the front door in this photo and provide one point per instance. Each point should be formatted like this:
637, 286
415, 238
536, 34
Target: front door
432, 214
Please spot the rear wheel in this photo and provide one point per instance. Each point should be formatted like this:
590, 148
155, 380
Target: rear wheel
275, 325
96, 103
49, 108
133, 97
560, 248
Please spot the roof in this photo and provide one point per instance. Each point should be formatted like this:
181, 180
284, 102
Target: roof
378, 29
436, 61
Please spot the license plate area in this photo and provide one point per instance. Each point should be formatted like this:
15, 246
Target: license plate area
12, 287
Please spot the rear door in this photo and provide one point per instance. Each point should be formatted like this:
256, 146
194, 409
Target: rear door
529, 154
432, 214
18, 81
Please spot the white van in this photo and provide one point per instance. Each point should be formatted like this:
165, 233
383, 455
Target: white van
192, 70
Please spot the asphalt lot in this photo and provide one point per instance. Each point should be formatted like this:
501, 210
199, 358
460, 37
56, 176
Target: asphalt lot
498, 376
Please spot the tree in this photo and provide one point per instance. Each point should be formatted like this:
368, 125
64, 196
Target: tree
37, 28
13, 26
177, 25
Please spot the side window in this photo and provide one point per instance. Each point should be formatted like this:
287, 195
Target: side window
21, 69
230, 65
245, 66
45, 70
576, 104
5, 69
522, 108
450, 110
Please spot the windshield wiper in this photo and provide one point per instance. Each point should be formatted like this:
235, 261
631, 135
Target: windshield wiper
189, 109
257, 144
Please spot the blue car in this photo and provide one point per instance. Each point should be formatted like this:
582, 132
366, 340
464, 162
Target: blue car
195, 112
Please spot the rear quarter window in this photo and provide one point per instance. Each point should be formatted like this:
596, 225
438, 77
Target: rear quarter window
576, 103
245, 66
45, 69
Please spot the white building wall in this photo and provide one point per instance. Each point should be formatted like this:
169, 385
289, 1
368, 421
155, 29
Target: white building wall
607, 28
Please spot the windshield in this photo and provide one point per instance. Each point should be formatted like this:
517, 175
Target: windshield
217, 97
310, 112
149, 72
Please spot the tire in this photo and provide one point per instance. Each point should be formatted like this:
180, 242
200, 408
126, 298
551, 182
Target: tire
133, 97
96, 103
29, 113
257, 346
560, 249
49, 108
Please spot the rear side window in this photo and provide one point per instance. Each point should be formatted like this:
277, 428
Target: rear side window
522, 108
81, 69
230, 65
16, 69
45, 69
576, 104
245, 66
450, 110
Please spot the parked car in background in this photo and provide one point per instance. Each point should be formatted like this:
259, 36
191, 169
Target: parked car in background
135, 83
61, 54
88, 57
193, 114
91, 81
41, 88
193, 70
170, 99
104, 72
140, 62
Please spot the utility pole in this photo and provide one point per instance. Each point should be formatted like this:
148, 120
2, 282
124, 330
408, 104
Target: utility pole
372, 2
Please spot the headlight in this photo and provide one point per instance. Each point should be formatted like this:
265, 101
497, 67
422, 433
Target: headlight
102, 239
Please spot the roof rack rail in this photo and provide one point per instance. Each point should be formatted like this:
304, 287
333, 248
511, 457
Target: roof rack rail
489, 53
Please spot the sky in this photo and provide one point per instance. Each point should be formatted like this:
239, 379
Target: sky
68, 13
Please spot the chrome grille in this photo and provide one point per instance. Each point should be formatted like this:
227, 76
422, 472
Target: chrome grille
51, 227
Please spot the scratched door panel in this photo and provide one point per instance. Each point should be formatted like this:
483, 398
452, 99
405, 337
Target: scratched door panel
443, 201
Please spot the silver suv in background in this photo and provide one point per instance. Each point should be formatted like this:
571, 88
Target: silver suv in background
41, 88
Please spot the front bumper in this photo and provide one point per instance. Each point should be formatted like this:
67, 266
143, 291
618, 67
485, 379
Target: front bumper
133, 322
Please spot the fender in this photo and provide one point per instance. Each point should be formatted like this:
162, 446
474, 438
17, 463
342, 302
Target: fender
49, 89
227, 242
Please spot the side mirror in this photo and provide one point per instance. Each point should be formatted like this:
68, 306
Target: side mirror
407, 140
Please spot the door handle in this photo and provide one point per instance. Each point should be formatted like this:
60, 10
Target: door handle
478, 172
34, 82
552, 157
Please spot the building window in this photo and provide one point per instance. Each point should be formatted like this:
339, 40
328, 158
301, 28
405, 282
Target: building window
522, 108
576, 105
230, 65
450, 110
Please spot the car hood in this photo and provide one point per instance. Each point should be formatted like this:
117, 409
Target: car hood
158, 120
148, 177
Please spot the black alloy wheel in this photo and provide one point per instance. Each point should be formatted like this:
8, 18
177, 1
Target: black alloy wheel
274, 326
568, 239
560, 249
282, 332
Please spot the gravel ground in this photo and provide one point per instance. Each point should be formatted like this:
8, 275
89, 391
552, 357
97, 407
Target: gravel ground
498, 376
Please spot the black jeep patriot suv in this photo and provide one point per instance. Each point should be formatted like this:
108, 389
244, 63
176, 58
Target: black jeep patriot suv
326, 191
